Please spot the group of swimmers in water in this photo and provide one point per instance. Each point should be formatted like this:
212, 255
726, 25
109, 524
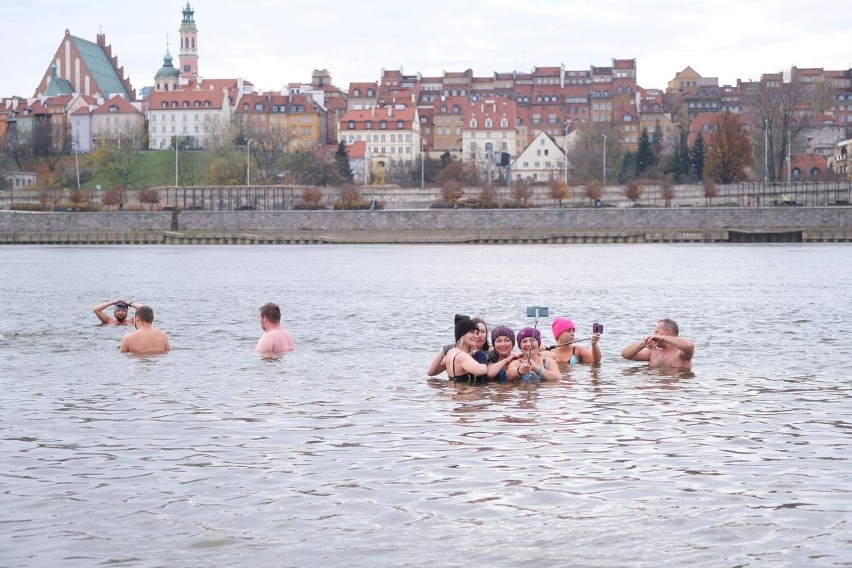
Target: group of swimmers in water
471, 359
149, 340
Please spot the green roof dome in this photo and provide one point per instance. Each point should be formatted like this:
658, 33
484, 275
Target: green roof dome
167, 70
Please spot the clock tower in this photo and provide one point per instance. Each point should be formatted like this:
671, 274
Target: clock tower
188, 44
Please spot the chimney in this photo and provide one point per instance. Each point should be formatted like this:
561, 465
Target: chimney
372, 112
390, 110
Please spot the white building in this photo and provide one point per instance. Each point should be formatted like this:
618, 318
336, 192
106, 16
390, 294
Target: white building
542, 161
196, 115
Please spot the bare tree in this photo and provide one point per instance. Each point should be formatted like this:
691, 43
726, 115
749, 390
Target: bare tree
587, 153
268, 146
779, 118
729, 152
19, 144
50, 142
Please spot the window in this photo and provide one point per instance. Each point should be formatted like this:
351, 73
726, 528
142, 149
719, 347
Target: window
383, 125
351, 125
399, 125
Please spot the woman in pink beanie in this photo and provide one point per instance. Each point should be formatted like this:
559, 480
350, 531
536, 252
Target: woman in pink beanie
563, 333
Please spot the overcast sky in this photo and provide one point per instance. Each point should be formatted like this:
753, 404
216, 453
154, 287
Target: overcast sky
275, 42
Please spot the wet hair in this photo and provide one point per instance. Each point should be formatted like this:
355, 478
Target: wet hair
145, 313
669, 325
485, 346
271, 312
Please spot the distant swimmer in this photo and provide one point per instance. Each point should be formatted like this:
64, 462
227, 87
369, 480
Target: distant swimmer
662, 349
146, 339
275, 340
120, 313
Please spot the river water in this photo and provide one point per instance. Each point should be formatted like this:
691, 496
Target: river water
343, 453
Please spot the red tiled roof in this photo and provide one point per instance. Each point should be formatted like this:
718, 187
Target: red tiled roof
363, 87
157, 98
405, 114
493, 109
122, 104
358, 149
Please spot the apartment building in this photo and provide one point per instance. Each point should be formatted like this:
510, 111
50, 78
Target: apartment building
391, 133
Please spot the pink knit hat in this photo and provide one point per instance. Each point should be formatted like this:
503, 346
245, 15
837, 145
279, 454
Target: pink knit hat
561, 325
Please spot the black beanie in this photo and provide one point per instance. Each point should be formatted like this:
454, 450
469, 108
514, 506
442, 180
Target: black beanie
463, 325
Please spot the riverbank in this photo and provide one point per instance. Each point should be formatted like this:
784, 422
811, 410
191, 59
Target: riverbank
634, 225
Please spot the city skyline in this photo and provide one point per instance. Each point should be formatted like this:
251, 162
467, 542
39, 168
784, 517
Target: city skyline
271, 44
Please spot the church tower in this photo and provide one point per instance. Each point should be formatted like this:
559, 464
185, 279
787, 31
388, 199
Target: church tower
188, 45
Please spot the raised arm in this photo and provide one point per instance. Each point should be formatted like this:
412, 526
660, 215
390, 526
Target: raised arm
438, 366
637, 351
99, 310
593, 354
685, 346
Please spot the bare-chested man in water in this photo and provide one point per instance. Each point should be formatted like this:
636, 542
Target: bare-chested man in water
275, 340
662, 349
146, 338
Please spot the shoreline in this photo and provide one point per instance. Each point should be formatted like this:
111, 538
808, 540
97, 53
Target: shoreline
434, 226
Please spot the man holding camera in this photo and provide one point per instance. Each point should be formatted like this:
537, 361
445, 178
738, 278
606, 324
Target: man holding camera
662, 349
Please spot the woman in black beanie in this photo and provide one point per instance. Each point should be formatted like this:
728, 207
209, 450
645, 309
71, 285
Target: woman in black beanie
459, 361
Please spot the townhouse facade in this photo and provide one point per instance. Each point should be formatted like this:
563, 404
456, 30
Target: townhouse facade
117, 122
391, 133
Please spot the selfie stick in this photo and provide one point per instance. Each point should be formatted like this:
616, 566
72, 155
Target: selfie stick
535, 312
564, 344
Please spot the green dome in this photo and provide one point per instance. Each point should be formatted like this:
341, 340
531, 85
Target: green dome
167, 70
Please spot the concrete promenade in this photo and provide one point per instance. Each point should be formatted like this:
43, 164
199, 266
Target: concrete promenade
535, 225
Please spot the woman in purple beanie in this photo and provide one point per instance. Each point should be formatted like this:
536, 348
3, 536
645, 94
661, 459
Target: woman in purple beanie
530, 366
503, 340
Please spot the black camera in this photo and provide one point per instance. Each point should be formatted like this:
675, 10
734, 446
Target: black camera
597, 328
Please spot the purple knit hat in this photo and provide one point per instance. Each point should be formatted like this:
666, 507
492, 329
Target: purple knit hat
502, 331
529, 332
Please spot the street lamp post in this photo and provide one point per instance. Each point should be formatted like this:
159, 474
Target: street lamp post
765, 151
422, 164
248, 166
177, 145
77, 163
604, 162
565, 159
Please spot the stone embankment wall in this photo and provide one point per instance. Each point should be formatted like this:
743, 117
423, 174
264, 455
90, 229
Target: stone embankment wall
433, 225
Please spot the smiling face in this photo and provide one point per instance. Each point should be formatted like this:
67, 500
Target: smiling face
527, 344
503, 345
472, 339
120, 314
